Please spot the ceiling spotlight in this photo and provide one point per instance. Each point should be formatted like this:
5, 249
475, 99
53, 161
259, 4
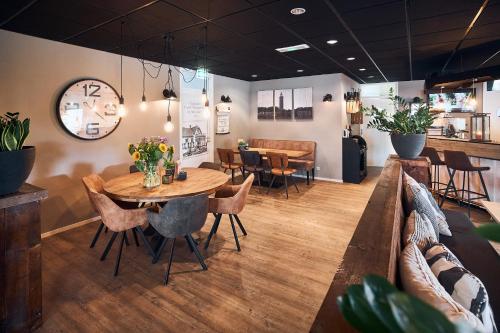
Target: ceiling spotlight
332, 41
254, 75
300, 70
297, 11
362, 69
370, 77
351, 58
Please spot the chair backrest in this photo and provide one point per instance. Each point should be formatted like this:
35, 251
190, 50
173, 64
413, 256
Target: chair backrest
277, 160
250, 158
180, 216
209, 165
241, 196
226, 155
432, 154
457, 160
93, 183
133, 169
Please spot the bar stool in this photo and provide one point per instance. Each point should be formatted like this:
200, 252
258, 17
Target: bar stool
436, 162
459, 161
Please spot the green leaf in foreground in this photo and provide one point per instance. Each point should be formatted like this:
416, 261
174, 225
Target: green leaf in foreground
490, 231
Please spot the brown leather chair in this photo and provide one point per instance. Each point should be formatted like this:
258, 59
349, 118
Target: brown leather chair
278, 163
252, 162
226, 157
436, 162
117, 219
231, 200
94, 183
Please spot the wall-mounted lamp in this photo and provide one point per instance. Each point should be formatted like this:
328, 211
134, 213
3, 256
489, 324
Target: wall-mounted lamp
169, 94
352, 99
225, 99
328, 98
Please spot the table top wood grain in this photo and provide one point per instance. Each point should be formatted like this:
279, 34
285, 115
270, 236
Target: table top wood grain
493, 208
290, 153
129, 187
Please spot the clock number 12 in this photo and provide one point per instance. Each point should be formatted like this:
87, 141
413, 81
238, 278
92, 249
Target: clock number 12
91, 90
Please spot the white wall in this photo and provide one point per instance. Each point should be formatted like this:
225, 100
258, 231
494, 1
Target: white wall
329, 119
491, 105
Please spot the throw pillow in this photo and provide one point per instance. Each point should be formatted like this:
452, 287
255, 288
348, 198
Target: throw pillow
444, 229
408, 192
419, 230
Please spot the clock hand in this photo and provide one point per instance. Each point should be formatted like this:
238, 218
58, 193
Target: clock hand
97, 113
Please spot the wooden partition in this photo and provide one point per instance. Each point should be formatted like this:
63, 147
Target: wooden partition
376, 243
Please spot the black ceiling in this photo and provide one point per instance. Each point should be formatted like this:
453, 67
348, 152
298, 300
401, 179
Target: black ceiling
382, 35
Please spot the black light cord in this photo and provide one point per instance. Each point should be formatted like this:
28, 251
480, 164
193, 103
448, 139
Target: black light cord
121, 59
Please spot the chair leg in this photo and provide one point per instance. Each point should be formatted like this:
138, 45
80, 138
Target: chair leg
126, 239
106, 230
213, 230
450, 182
312, 173
145, 241
135, 237
119, 256
234, 233
271, 184
307, 173
294, 183
197, 252
240, 224
97, 234
484, 186
190, 246
468, 193
167, 272
108, 247
463, 186
286, 185
160, 250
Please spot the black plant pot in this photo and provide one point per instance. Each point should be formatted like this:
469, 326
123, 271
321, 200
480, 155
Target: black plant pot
15, 167
408, 146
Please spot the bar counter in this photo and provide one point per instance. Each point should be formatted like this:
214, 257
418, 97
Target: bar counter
480, 153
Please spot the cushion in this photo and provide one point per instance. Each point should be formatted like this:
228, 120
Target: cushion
419, 230
476, 254
463, 286
408, 193
419, 281
441, 218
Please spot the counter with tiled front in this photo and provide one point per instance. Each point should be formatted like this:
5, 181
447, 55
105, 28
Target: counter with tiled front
480, 153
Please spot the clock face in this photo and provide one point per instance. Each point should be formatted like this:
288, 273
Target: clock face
88, 109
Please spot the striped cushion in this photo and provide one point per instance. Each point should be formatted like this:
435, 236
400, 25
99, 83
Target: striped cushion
463, 286
408, 192
444, 229
418, 229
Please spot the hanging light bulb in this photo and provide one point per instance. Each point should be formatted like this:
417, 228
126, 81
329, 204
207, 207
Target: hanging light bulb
169, 125
144, 105
204, 95
206, 110
122, 111
471, 99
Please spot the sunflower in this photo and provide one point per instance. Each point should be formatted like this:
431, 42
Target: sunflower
136, 156
162, 147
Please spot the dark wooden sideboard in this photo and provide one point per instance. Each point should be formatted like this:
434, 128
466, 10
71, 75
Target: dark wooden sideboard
20, 260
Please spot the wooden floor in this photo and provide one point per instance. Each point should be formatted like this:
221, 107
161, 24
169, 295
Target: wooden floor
275, 284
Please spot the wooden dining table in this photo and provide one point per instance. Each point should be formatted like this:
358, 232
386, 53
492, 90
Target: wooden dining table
264, 151
130, 187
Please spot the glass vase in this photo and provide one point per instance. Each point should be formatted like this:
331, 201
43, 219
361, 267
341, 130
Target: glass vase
152, 176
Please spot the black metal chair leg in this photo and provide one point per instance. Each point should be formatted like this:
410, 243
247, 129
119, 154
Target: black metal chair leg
197, 252
213, 230
189, 243
450, 182
135, 237
108, 246
106, 230
145, 241
307, 173
232, 176
454, 187
294, 183
126, 239
468, 194
286, 185
313, 173
119, 256
484, 186
463, 186
97, 234
167, 272
240, 224
160, 250
271, 184
234, 233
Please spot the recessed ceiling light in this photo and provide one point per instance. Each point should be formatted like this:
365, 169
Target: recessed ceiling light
300, 70
254, 75
351, 58
297, 11
370, 77
292, 48
332, 41
362, 69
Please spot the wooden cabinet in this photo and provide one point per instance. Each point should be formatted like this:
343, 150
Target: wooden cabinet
20, 260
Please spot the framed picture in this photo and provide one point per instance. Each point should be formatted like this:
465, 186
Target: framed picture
302, 103
283, 104
265, 104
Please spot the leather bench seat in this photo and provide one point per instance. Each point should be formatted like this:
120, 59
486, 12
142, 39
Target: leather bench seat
476, 254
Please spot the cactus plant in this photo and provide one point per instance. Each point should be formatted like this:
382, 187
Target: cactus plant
13, 131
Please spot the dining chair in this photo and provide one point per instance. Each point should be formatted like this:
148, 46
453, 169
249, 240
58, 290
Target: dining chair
209, 165
278, 162
252, 162
117, 219
231, 200
226, 157
179, 217
94, 183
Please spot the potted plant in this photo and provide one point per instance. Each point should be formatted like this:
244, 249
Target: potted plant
169, 165
146, 155
16, 160
406, 127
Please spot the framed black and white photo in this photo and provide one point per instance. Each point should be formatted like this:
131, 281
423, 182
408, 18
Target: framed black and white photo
265, 104
302, 103
283, 104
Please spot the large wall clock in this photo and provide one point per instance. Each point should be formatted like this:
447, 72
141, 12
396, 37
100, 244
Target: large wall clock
88, 109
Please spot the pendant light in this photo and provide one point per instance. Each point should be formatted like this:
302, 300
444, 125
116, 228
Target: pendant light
122, 112
168, 91
169, 125
204, 93
471, 100
143, 106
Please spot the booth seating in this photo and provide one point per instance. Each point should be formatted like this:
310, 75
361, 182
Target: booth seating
376, 244
306, 163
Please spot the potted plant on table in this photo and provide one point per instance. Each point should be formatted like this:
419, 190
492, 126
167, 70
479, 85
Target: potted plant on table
406, 127
169, 165
146, 155
16, 160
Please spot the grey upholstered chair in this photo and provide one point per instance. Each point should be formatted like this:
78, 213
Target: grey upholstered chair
179, 217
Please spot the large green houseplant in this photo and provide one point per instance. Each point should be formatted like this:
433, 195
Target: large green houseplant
407, 126
16, 160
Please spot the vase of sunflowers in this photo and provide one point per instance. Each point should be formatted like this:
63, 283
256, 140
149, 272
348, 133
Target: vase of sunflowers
146, 155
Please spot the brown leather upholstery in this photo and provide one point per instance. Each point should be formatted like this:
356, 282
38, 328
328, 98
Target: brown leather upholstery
226, 157
279, 164
433, 155
458, 160
93, 183
287, 145
231, 199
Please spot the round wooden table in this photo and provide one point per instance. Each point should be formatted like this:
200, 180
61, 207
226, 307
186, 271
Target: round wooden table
129, 187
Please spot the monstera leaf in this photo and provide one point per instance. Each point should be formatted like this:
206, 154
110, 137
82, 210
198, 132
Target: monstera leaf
490, 231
